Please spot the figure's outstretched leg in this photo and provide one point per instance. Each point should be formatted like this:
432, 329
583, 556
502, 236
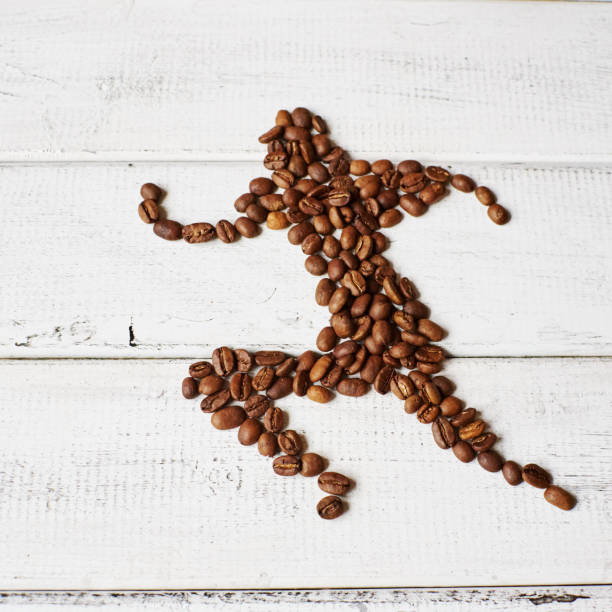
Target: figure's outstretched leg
377, 325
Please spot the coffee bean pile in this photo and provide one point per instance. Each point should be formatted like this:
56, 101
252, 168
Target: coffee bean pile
377, 325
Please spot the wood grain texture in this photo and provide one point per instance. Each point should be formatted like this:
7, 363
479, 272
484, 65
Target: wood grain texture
110, 480
124, 79
559, 599
83, 268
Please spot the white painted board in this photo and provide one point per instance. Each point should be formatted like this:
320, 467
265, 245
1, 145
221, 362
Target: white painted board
110, 480
81, 267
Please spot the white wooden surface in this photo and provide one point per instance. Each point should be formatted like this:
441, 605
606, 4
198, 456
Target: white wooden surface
109, 480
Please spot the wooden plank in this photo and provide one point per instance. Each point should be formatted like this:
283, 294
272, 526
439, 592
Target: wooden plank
465, 80
110, 480
561, 599
82, 268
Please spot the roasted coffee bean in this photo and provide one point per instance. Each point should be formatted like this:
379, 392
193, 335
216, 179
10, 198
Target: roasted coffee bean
286, 367
432, 393
371, 368
490, 461
213, 402
330, 507
306, 185
296, 216
333, 376
316, 265
463, 183
350, 259
311, 206
498, 214
413, 182
382, 332
327, 339
271, 134
433, 193
301, 117
403, 320
256, 213
318, 123
296, 133
391, 179
339, 299
472, 430
150, 191
269, 358
338, 166
401, 386
353, 387
274, 419
401, 349
325, 290
322, 144
449, 406
559, 497
189, 388
367, 269
322, 225
249, 432
387, 198
283, 117
318, 172
413, 403
372, 206
373, 347
240, 386
427, 413
319, 394
409, 165
228, 417
320, 368
334, 483
244, 360
512, 473
306, 360
343, 324
359, 167
291, 198
483, 442
361, 305
354, 281
200, 369
261, 186
312, 464
381, 166
263, 378
430, 329
443, 433
287, 465
167, 229
223, 361
430, 354
536, 476
416, 309
382, 382
429, 368
336, 269
290, 442
331, 247
226, 232
300, 383
419, 380
412, 205
409, 362
364, 247
463, 418
390, 217
485, 195
298, 232
277, 220
446, 386
211, 384
435, 173
256, 406
246, 227
244, 201
281, 387
463, 451
266, 444
348, 347
276, 160
148, 211
392, 290
360, 358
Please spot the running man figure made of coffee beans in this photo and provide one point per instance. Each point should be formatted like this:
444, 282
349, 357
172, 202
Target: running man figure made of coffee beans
379, 335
